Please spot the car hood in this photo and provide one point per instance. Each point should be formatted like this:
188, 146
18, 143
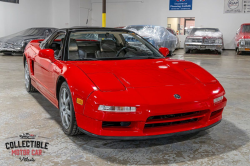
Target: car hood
18, 39
137, 73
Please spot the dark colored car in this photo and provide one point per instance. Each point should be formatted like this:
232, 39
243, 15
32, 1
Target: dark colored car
17, 42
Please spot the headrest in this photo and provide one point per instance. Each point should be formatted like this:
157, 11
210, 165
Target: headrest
73, 45
108, 45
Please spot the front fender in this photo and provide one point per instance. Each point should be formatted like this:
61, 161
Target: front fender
79, 84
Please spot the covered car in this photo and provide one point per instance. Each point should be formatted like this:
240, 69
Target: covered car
17, 42
242, 39
178, 40
158, 36
204, 39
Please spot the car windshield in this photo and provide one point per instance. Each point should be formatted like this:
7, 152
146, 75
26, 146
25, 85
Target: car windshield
246, 28
33, 32
203, 31
110, 45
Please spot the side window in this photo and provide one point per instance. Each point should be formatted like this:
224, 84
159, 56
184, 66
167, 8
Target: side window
57, 44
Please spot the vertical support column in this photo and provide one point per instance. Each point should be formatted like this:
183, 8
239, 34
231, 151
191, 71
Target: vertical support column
103, 13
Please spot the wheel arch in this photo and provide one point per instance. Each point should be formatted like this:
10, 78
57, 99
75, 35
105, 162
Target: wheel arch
59, 82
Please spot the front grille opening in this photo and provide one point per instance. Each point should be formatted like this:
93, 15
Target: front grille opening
116, 124
172, 123
215, 114
171, 116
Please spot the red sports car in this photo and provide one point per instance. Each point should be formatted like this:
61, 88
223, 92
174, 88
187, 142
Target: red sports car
113, 89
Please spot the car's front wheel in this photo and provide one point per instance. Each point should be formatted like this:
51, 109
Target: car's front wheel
67, 112
29, 87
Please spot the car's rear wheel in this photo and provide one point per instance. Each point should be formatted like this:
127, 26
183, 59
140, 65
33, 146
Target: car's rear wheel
29, 87
67, 112
7, 53
187, 51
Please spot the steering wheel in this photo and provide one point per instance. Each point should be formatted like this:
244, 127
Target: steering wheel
124, 48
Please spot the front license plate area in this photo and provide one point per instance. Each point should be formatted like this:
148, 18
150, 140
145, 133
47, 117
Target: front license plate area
203, 46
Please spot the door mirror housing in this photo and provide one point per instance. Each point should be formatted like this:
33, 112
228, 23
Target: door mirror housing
47, 54
164, 51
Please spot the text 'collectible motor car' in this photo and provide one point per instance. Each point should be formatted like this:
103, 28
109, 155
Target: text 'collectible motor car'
242, 39
158, 36
110, 88
204, 39
17, 42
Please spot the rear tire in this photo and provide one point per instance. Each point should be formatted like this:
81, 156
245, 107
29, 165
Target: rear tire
170, 53
7, 53
187, 51
29, 87
67, 112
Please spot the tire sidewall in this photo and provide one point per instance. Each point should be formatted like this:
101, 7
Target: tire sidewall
28, 89
72, 117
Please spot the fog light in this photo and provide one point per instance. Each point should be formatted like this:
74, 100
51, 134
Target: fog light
219, 99
116, 108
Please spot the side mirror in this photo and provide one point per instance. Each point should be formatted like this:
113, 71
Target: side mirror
164, 51
47, 54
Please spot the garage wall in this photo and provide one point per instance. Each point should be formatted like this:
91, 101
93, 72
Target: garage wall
17, 17
60, 13
207, 13
80, 12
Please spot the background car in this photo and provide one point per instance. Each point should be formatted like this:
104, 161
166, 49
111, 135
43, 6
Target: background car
242, 39
174, 33
204, 39
158, 36
17, 42
110, 88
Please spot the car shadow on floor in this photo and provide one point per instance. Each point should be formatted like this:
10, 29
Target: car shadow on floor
222, 139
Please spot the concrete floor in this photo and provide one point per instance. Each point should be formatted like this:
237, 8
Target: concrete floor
226, 144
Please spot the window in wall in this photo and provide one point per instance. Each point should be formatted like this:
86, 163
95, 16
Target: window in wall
181, 25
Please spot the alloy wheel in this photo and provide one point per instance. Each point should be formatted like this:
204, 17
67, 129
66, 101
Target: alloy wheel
65, 108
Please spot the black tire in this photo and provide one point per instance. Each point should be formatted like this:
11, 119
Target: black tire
7, 53
28, 86
187, 51
238, 52
66, 109
170, 53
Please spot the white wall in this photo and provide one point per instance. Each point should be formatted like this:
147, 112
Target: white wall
80, 11
26, 14
207, 13
60, 13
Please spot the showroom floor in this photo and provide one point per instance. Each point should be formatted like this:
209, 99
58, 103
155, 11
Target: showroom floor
226, 144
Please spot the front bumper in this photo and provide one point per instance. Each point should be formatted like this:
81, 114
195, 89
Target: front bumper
149, 137
142, 127
13, 49
244, 48
200, 46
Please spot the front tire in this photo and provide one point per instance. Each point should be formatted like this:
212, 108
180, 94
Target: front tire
29, 87
67, 112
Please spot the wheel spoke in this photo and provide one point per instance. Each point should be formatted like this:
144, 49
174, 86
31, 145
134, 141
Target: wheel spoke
68, 112
64, 95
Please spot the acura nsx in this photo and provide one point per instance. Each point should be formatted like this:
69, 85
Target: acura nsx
111, 88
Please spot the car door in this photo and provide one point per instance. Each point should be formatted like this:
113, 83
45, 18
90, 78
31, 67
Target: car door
45, 68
